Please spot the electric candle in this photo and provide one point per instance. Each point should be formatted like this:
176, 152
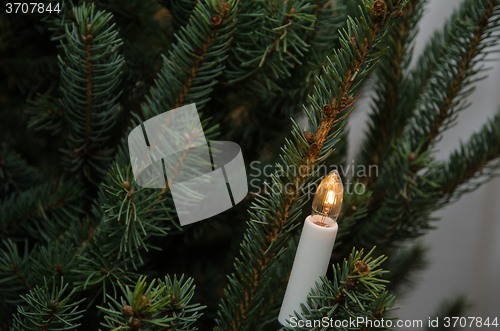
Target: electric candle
315, 245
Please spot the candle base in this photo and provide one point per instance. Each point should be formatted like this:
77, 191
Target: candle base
311, 261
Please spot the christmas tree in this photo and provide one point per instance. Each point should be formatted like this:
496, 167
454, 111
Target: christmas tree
85, 247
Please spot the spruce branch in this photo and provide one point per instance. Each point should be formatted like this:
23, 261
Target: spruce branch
15, 173
189, 72
388, 220
128, 215
161, 307
475, 23
471, 165
56, 22
146, 33
91, 50
15, 275
95, 254
354, 207
181, 11
274, 216
125, 215
90, 75
356, 290
427, 62
46, 114
280, 42
322, 38
54, 261
100, 273
390, 102
400, 205
48, 309
42, 212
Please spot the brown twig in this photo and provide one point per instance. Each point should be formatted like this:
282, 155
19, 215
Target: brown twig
194, 70
90, 68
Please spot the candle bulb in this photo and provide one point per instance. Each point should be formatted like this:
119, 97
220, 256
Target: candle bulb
315, 245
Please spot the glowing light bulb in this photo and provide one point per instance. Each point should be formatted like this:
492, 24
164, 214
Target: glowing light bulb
328, 199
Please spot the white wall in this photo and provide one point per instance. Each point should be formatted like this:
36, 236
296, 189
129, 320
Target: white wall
465, 252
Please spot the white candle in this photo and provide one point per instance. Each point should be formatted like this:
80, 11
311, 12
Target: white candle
311, 261
315, 246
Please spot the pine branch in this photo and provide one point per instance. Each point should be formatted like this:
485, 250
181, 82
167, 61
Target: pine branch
146, 34
181, 11
43, 211
15, 173
53, 261
15, 276
274, 216
323, 38
161, 307
132, 216
356, 291
390, 102
450, 84
100, 273
400, 206
109, 243
270, 53
470, 166
47, 309
189, 72
90, 74
46, 114
388, 220
129, 214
